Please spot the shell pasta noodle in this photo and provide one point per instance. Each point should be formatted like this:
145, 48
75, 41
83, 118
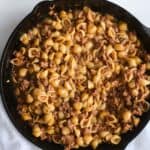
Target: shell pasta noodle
81, 78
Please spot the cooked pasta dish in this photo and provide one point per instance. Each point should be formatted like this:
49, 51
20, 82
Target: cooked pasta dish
81, 78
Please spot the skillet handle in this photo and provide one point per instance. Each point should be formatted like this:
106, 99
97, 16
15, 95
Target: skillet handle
147, 29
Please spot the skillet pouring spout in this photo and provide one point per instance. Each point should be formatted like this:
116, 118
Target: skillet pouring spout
147, 29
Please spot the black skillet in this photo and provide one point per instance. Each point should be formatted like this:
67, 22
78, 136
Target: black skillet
38, 13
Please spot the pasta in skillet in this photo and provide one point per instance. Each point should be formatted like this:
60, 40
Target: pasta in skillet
81, 78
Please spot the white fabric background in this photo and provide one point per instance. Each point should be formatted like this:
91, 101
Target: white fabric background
11, 13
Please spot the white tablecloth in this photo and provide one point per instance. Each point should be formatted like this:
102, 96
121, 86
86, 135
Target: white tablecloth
11, 13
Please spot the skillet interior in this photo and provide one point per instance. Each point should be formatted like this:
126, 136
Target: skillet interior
37, 14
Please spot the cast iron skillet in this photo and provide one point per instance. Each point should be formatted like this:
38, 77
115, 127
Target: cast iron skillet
38, 13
